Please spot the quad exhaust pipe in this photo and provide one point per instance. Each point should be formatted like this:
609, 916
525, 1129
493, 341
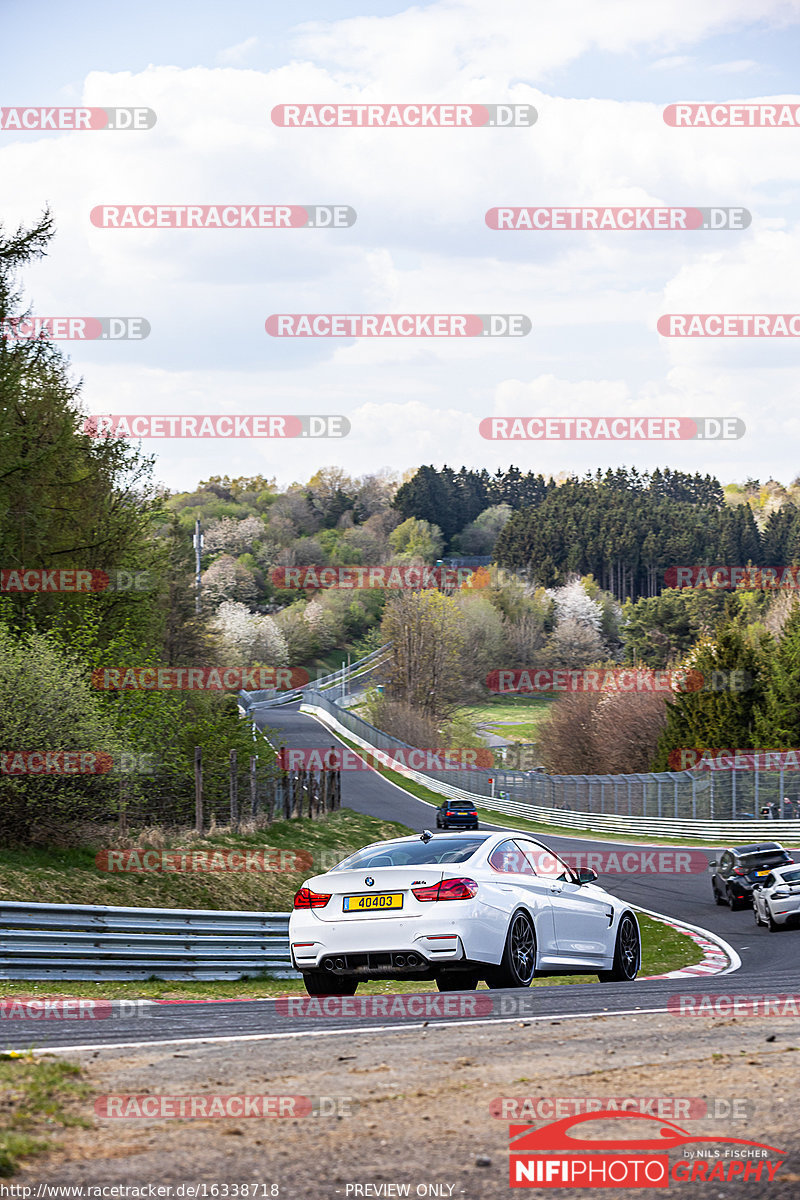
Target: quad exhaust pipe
403, 961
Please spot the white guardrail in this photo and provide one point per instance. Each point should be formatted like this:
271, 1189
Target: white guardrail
341, 679
717, 832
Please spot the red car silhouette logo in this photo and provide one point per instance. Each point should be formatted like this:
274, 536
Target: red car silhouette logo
557, 1136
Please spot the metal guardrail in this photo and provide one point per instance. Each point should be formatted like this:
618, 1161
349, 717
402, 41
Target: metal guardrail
271, 697
605, 803
74, 941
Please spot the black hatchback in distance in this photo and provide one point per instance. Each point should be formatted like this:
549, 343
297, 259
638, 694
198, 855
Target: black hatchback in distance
457, 814
737, 869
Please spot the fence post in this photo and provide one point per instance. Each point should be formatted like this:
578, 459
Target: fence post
234, 788
123, 807
198, 789
253, 787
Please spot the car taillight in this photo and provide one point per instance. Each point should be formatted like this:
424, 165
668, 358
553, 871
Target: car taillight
305, 898
739, 871
448, 889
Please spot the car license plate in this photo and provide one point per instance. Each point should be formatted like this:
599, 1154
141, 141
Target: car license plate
762, 872
373, 901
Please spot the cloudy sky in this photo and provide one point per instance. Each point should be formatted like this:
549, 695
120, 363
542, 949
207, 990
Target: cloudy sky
599, 76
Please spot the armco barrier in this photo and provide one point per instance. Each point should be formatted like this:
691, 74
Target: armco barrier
72, 941
356, 730
37, 938
340, 680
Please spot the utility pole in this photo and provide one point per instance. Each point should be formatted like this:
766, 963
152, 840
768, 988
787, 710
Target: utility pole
197, 542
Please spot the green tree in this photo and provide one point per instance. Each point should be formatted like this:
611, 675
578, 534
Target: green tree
413, 540
778, 715
722, 714
67, 500
47, 706
659, 630
426, 630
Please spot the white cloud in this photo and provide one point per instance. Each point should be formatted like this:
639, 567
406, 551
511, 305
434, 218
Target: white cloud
421, 244
673, 62
738, 66
233, 55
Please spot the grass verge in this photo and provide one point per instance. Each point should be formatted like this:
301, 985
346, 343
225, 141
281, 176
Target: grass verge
71, 875
35, 1095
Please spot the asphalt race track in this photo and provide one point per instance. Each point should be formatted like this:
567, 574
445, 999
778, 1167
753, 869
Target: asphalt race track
770, 962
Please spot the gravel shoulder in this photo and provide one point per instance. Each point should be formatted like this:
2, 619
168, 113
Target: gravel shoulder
416, 1106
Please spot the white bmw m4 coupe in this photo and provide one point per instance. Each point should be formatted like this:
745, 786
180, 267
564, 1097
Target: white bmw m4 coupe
458, 908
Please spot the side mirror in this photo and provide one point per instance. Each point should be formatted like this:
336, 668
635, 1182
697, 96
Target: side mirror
586, 875
712, 862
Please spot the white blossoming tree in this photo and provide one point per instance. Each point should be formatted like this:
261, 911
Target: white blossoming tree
249, 637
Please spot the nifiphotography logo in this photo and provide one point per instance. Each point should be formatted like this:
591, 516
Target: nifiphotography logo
565, 1154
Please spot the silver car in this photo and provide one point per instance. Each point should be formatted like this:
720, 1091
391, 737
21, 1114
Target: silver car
776, 900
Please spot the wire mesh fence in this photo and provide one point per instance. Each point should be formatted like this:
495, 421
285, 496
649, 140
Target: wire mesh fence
230, 794
713, 795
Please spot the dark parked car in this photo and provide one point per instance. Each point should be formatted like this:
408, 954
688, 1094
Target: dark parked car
736, 871
457, 814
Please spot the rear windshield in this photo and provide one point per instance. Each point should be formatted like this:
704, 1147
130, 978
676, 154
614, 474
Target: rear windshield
791, 876
402, 854
465, 804
751, 862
